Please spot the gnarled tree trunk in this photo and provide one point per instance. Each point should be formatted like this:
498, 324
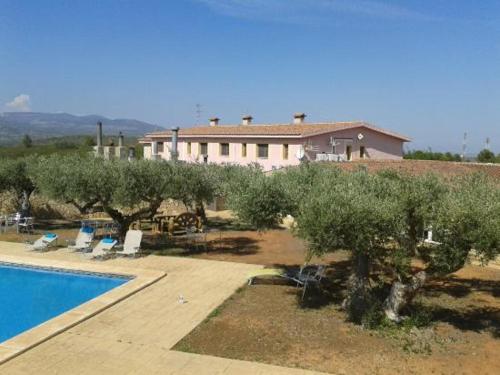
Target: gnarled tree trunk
402, 294
25, 204
200, 212
357, 300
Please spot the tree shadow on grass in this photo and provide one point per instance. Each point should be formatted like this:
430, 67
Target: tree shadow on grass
45, 225
458, 309
240, 246
477, 319
224, 225
331, 289
233, 225
459, 287
461, 314
233, 245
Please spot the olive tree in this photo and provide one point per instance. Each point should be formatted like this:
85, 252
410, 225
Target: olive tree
353, 212
468, 219
255, 198
126, 191
464, 215
196, 184
15, 177
379, 219
69, 179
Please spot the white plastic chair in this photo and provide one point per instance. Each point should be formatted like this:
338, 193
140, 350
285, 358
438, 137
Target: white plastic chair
44, 242
83, 239
102, 249
132, 244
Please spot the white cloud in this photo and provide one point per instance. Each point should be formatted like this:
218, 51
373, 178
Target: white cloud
20, 103
307, 11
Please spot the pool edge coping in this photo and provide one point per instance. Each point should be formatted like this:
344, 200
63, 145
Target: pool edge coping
141, 279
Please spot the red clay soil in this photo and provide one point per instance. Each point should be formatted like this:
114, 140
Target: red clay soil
270, 248
276, 330
444, 168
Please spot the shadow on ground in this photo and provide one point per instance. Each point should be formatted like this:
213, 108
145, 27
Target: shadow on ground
454, 300
234, 246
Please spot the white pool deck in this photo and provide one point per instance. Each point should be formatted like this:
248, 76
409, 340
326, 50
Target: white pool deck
135, 334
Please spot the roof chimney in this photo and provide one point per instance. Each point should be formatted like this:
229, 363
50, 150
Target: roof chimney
99, 134
120, 140
246, 120
214, 121
298, 118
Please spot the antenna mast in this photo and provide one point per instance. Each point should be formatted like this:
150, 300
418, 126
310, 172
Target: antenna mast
487, 145
464, 147
198, 113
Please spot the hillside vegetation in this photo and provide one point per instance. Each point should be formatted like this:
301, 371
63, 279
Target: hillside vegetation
67, 145
14, 125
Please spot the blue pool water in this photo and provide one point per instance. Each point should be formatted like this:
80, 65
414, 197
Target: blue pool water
30, 296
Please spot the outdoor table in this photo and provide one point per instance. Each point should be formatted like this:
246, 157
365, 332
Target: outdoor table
107, 225
9, 220
159, 222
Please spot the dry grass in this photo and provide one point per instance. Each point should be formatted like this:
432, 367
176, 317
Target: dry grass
266, 323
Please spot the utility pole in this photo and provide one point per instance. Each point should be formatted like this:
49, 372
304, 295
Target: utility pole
487, 145
464, 147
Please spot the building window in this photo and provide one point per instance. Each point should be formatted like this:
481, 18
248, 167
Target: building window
362, 152
244, 150
263, 151
224, 149
203, 149
160, 147
189, 148
285, 152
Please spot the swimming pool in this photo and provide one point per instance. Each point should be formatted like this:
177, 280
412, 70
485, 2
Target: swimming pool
30, 295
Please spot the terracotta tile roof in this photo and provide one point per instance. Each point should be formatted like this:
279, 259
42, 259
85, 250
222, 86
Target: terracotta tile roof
272, 130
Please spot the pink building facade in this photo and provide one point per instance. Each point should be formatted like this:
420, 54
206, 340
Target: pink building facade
275, 146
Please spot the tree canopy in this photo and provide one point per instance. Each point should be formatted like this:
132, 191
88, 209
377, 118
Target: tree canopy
15, 177
380, 219
486, 156
431, 155
27, 141
126, 191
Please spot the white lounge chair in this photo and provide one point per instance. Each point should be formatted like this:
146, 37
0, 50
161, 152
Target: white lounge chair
132, 244
43, 243
83, 239
103, 248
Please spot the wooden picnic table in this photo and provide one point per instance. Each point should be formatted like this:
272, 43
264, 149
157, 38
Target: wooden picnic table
159, 222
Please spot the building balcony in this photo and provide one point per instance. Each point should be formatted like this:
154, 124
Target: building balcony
331, 157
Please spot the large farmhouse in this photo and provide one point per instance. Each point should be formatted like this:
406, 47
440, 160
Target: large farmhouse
275, 145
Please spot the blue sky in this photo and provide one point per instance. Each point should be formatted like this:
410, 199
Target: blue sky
429, 69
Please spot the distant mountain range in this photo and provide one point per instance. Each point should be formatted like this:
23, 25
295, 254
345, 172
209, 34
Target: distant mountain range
13, 125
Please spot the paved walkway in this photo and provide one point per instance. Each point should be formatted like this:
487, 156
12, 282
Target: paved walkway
136, 335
